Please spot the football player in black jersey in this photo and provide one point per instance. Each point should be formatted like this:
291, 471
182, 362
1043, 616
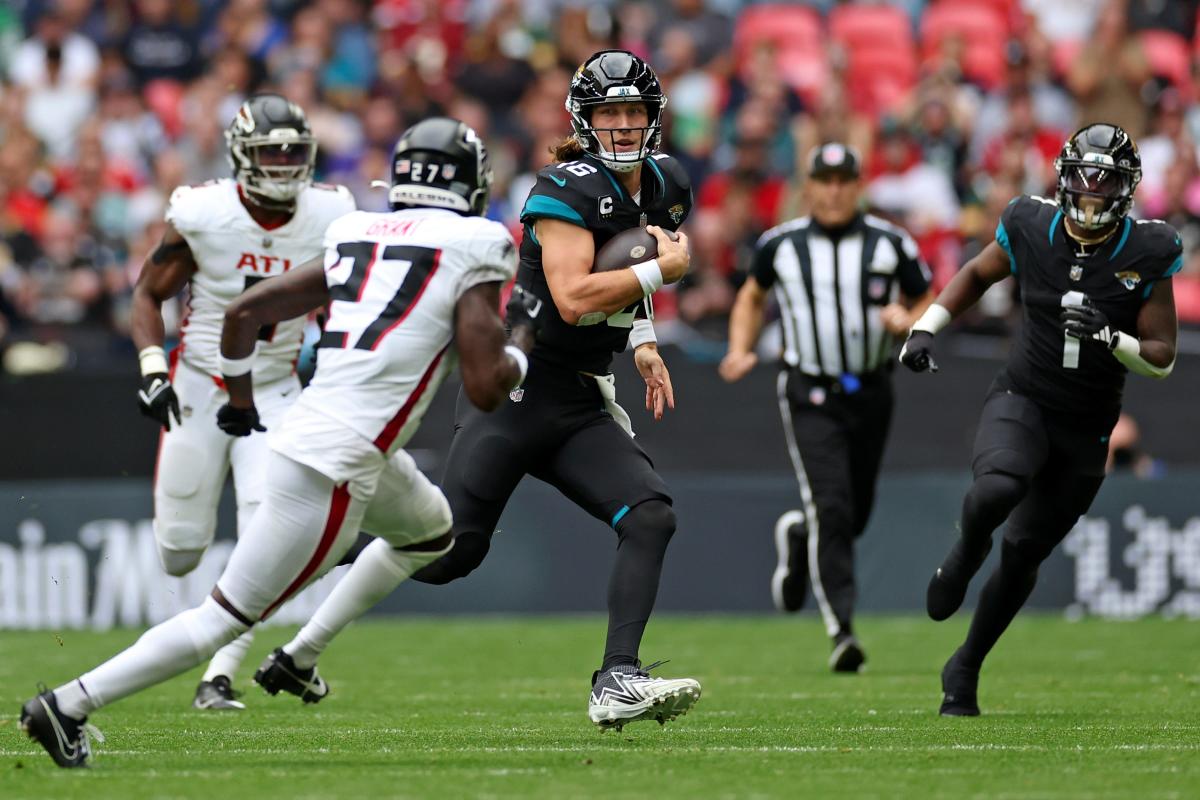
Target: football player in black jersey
563, 425
1096, 302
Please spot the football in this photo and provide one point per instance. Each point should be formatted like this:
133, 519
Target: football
629, 247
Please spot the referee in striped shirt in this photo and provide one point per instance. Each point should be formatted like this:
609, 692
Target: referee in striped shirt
848, 284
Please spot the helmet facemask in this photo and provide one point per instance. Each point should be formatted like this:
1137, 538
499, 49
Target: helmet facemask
275, 166
602, 142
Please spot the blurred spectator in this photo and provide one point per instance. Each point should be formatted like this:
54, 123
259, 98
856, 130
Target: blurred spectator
1024, 151
1052, 107
1109, 73
64, 285
916, 195
1125, 452
941, 143
1063, 20
58, 70
710, 31
1165, 142
158, 46
1177, 16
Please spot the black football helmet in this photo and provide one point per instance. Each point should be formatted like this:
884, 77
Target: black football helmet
271, 149
615, 76
1100, 161
441, 163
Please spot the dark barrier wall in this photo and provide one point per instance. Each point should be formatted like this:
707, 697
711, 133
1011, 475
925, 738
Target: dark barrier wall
79, 425
81, 553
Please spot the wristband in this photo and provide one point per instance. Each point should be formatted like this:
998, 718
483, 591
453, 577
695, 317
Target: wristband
933, 320
649, 276
518, 355
235, 367
152, 360
642, 333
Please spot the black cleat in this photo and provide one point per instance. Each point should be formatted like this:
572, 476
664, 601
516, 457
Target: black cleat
960, 685
848, 655
279, 673
789, 583
948, 586
64, 738
217, 695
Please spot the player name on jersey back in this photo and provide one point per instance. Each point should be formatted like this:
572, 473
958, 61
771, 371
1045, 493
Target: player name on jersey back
233, 252
394, 282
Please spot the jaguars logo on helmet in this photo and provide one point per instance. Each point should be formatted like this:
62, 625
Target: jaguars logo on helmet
1099, 162
615, 76
441, 163
271, 149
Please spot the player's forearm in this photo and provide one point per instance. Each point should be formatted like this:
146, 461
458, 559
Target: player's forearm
745, 323
603, 292
146, 326
963, 290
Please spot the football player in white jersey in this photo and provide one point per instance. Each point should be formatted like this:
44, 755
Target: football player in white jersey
410, 293
222, 238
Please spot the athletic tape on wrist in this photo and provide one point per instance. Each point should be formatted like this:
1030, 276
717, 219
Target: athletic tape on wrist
933, 320
518, 355
152, 360
234, 367
642, 333
649, 276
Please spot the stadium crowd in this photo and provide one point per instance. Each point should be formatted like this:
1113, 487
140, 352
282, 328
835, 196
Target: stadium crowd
957, 105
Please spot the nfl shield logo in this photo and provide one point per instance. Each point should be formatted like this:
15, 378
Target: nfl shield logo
516, 395
1076, 272
877, 287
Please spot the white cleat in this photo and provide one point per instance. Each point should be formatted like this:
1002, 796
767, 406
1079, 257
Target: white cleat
627, 694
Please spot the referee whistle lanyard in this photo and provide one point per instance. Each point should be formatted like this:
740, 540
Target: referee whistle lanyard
608, 390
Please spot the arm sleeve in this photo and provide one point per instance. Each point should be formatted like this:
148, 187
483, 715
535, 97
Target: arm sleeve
554, 196
1169, 259
911, 270
180, 213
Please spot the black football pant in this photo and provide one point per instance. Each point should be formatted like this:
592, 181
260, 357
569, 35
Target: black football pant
836, 439
556, 429
1040, 472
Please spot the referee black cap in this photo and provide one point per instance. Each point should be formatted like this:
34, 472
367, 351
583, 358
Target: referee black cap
833, 158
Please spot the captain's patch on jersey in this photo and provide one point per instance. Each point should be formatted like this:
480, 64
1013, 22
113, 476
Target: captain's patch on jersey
1129, 279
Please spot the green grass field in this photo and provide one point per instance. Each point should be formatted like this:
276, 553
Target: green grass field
496, 708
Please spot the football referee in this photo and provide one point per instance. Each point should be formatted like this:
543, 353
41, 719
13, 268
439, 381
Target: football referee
847, 285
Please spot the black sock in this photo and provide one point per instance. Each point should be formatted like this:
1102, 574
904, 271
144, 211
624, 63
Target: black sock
643, 537
1002, 597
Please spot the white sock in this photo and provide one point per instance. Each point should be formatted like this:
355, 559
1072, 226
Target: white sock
230, 657
164, 651
376, 572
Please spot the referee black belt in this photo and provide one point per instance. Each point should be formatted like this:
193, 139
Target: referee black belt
847, 383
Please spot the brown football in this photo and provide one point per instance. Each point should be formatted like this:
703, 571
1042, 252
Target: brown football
629, 247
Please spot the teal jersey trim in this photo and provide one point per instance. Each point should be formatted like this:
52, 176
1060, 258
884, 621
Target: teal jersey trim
1176, 265
539, 205
532, 234
617, 516
1124, 236
1002, 239
661, 180
1054, 224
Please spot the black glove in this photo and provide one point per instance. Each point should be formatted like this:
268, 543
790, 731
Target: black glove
157, 400
524, 308
1085, 322
917, 353
239, 421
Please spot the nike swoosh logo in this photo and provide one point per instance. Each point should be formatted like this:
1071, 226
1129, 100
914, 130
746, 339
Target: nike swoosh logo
560, 181
65, 745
